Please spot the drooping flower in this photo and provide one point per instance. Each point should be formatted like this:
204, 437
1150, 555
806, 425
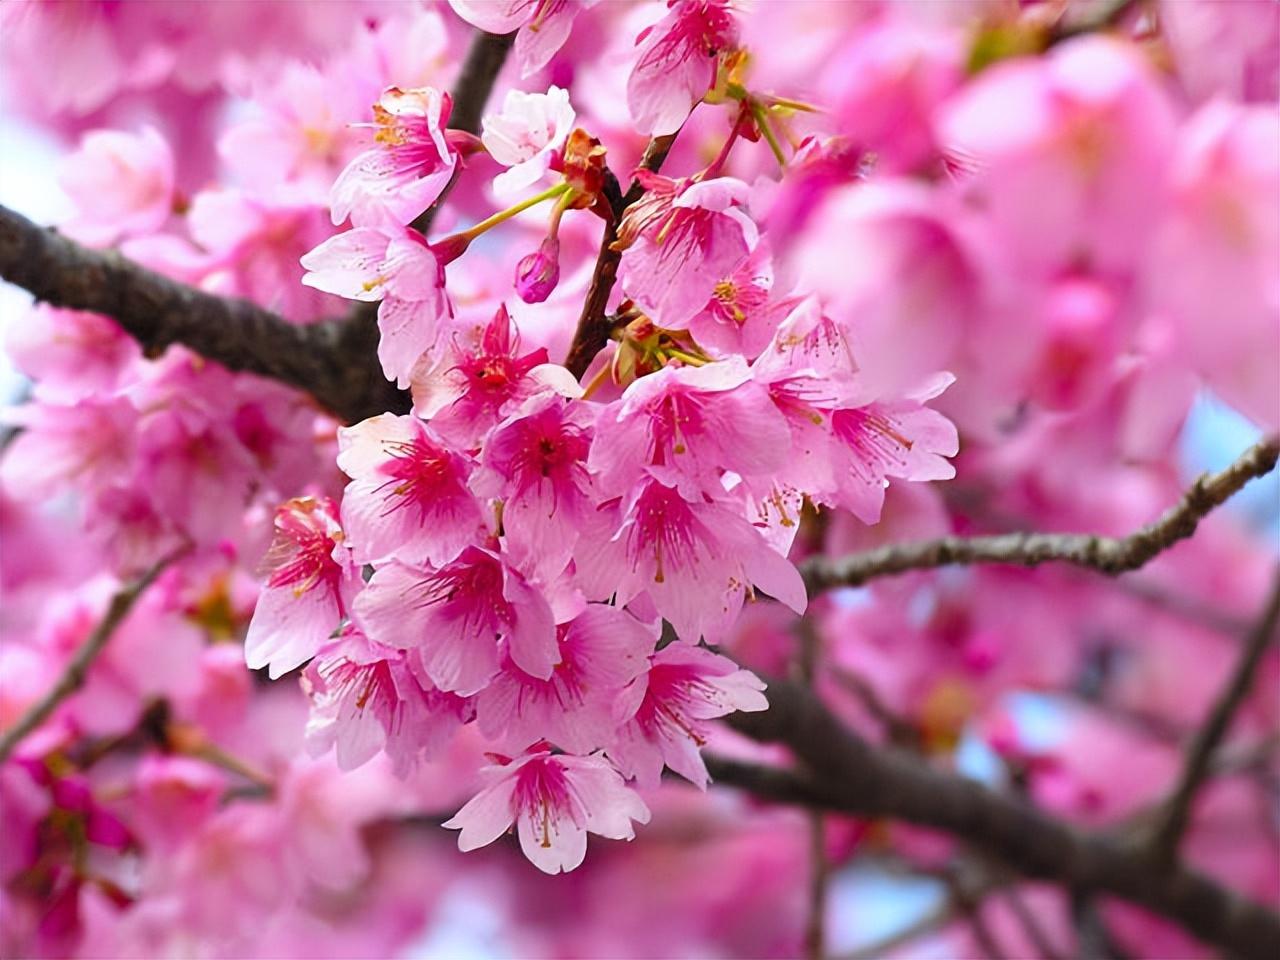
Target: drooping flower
526, 136
302, 602
684, 687
677, 63
696, 560
544, 25
535, 462
397, 266
408, 495
679, 241
407, 168
601, 651
366, 698
686, 425
460, 618
554, 801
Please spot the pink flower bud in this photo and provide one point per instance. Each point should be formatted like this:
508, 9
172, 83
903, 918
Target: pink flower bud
539, 272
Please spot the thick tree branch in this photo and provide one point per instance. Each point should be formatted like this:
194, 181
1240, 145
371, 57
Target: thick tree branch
73, 676
1108, 555
847, 774
594, 326
1198, 765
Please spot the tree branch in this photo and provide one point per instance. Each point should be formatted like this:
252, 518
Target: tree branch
73, 677
594, 326
1197, 767
335, 362
846, 774
1109, 555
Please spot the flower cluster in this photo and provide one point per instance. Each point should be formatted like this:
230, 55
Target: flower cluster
707, 291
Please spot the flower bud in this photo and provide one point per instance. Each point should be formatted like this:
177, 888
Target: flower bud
539, 272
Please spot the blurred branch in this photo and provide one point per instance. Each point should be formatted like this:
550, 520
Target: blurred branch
594, 326
73, 676
1109, 555
1104, 15
846, 774
1198, 765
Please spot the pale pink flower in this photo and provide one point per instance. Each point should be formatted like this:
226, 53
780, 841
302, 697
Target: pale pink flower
480, 377
677, 63
682, 239
535, 462
408, 495
686, 425
697, 561
740, 317
71, 354
82, 447
554, 801
601, 651
302, 602
398, 267
407, 169
172, 797
366, 698
684, 687
1213, 270
544, 25
121, 184
526, 136
460, 618
1069, 152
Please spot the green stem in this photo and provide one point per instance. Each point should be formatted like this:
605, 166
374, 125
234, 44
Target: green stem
762, 121
503, 215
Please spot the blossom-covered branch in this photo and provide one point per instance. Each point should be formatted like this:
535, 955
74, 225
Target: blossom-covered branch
849, 775
593, 324
1110, 555
73, 676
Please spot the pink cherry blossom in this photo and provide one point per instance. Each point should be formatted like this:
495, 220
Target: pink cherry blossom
458, 618
684, 687
740, 317
535, 462
697, 560
409, 166
367, 698
544, 25
398, 267
677, 61
121, 184
526, 135
601, 651
481, 376
554, 801
302, 602
682, 239
685, 425
408, 495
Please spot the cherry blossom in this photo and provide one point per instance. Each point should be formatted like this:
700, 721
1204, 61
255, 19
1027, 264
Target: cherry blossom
526, 135
554, 800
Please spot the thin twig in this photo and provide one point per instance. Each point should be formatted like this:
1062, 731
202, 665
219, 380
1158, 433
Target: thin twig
1108, 555
1172, 822
594, 326
77, 669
